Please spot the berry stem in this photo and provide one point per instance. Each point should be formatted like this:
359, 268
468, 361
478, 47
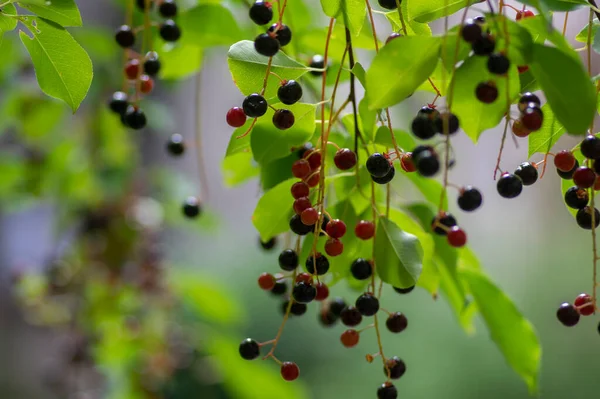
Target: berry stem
247, 131
128, 21
564, 31
352, 96
401, 17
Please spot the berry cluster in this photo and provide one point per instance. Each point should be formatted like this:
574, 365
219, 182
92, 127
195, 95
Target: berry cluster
569, 314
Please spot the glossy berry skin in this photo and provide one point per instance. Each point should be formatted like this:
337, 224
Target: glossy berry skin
298, 227
289, 371
289, 92
564, 161
385, 179
392, 36
167, 9
428, 112
283, 119
322, 292
132, 69
509, 185
309, 216
288, 260
396, 322
297, 309
519, 130
169, 31
335, 228
283, 34
484, 45
528, 98
345, 159
576, 198
314, 158
261, 13
567, 315
320, 262
337, 305
457, 237
395, 367
584, 177
266, 45
300, 190
378, 165
135, 117
532, 118
152, 64
524, 14
301, 169
146, 84
584, 218
119, 102
427, 164
235, 117
269, 244
266, 281
361, 269
175, 145
304, 292
364, 229
387, 391
407, 164
498, 64
447, 123
469, 199
367, 304
419, 149
444, 219
249, 349
300, 204
528, 173
423, 127
317, 62
351, 316
404, 290
486, 92
334, 247
125, 36
471, 31
350, 338
254, 105
280, 288
584, 304
568, 175
590, 147
389, 4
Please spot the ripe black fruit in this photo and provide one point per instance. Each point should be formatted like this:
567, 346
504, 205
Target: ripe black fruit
486, 92
423, 127
320, 263
351, 316
367, 304
419, 149
469, 199
125, 36
304, 292
447, 123
269, 244
567, 315
298, 227
396, 322
317, 62
168, 9
395, 366
249, 349
297, 309
119, 102
429, 112
387, 391
484, 45
528, 173
283, 119
135, 118
590, 147
175, 145
169, 31
336, 306
445, 220
471, 31
266, 45
289, 92
191, 207
509, 186
576, 198
584, 218
254, 105
528, 98
498, 64
261, 13
288, 260
568, 175
427, 163
283, 34
151, 64
409, 289
279, 288
361, 269
389, 4
378, 165
387, 178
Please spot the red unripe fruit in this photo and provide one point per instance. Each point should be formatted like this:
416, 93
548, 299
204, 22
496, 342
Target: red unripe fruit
266, 281
335, 228
322, 291
350, 338
406, 162
344, 159
584, 304
584, 177
132, 69
309, 216
364, 229
236, 117
564, 161
314, 158
289, 371
523, 68
301, 169
525, 14
313, 180
457, 237
532, 118
334, 247
146, 84
304, 278
300, 189
519, 130
301, 204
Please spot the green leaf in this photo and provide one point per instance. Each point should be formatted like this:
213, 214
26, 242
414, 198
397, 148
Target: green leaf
331, 8
514, 335
98, 42
582, 36
426, 11
360, 73
178, 62
63, 12
550, 65
563, 5
367, 119
238, 168
475, 116
273, 173
545, 138
269, 143
354, 13
398, 255
63, 68
412, 27
399, 68
430, 189
203, 26
596, 43
7, 23
274, 210
248, 68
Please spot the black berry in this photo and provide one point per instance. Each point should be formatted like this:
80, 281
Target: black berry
396, 322
249, 349
289, 92
567, 314
288, 260
498, 64
445, 220
317, 62
568, 175
387, 391
509, 186
269, 244
486, 92
469, 199
427, 163
169, 31
389, 4
387, 178
367, 304
141, 4
590, 147
266, 45
125, 36
279, 288
528, 173
584, 218
395, 367
297, 309
283, 34
254, 105
378, 165
423, 127
351, 316
168, 9
298, 227
447, 123
409, 289
528, 98
485, 45
576, 198
419, 149
175, 145
261, 13
191, 207
320, 263
361, 269
135, 118
283, 119
304, 292
152, 64
471, 31
119, 102
337, 305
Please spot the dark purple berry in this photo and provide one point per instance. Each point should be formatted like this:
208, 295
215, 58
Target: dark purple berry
367, 304
249, 349
528, 173
261, 13
266, 45
469, 199
567, 315
169, 31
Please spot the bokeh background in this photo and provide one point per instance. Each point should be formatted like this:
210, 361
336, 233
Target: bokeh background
529, 245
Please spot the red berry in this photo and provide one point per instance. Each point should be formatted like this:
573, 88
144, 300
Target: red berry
584, 304
364, 230
313, 180
304, 278
532, 118
525, 14
266, 281
146, 84
132, 69
349, 338
584, 177
289, 371
523, 68
457, 237
406, 162
314, 158
301, 168
344, 159
236, 117
564, 161
322, 291
309, 216
334, 247
300, 189
519, 130
335, 228
301, 204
